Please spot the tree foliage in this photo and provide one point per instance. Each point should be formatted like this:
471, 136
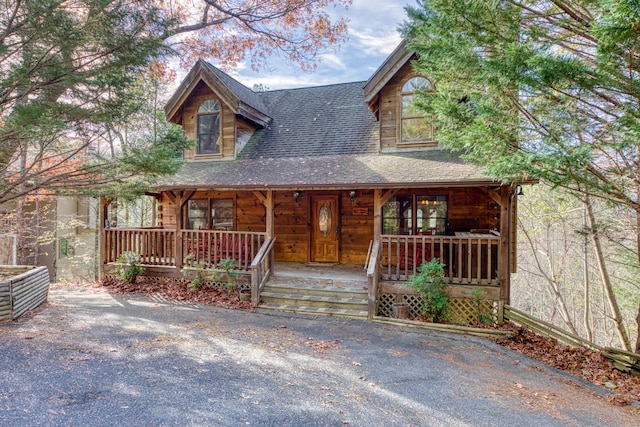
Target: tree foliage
74, 73
540, 89
543, 89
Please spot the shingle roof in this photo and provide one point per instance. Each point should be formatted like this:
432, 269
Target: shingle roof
315, 121
428, 168
321, 136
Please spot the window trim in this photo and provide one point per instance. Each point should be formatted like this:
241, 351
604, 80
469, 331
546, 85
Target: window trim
426, 142
218, 142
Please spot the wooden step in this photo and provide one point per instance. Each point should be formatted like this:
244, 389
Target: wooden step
315, 296
355, 314
321, 291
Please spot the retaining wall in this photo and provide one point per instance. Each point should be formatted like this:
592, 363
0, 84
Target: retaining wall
26, 289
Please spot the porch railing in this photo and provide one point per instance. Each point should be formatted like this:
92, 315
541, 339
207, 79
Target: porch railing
154, 245
159, 247
210, 247
468, 259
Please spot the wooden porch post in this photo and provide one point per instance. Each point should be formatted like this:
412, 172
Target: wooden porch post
267, 201
179, 199
504, 265
377, 214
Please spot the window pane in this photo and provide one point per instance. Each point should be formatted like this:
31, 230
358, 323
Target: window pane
208, 133
222, 214
197, 214
432, 214
396, 216
209, 106
417, 129
417, 83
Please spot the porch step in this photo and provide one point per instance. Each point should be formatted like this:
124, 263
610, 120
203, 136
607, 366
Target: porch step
315, 296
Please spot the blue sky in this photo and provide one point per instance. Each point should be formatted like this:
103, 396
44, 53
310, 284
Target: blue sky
373, 34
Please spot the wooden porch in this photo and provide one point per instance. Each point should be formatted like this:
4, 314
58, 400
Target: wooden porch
471, 262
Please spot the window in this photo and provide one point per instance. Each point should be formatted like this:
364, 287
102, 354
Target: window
65, 248
414, 125
214, 214
411, 215
209, 128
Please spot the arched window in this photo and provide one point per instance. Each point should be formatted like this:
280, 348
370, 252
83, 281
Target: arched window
209, 128
415, 126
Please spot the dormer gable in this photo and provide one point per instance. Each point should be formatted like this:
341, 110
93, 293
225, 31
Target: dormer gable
389, 93
239, 98
217, 111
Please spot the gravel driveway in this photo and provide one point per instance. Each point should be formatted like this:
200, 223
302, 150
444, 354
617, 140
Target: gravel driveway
91, 358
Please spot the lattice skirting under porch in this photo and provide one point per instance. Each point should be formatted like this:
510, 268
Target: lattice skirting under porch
462, 311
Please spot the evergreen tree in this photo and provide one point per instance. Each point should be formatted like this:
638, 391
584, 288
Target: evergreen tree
538, 89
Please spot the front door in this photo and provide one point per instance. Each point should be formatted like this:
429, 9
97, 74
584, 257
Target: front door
325, 227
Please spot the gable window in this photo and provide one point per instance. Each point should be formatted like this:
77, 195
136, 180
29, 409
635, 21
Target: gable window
209, 128
415, 126
415, 214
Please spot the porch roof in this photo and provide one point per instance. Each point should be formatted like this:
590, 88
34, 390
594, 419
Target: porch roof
392, 170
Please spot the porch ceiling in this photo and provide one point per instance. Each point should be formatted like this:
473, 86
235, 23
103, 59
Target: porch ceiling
417, 169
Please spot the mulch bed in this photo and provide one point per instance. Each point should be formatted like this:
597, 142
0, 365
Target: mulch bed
582, 362
178, 291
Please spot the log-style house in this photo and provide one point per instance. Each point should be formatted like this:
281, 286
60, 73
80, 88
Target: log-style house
340, 175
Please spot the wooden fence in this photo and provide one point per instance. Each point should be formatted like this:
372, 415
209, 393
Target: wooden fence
22, 292
622, 360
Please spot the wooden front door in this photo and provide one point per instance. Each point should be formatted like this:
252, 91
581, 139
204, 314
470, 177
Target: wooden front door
325, 227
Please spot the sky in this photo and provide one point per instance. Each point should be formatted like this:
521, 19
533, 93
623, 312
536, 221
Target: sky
373, 35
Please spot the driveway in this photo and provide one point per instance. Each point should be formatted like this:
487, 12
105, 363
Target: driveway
91, 358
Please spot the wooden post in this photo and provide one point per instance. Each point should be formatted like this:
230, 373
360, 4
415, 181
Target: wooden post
504, 263
178, 248
269, 214
179, 199
377, 214
102, 244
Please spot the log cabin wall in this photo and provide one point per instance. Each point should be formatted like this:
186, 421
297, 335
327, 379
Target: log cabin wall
189, 120
390, 108
356, 226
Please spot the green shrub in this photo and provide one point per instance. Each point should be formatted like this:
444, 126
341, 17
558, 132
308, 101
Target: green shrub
128, 267
430, 284
228, 264
201, 274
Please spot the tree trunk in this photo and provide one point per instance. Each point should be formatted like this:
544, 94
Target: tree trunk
616, 316
587, 294
638, 337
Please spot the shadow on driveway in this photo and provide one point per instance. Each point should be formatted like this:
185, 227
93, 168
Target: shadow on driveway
89, 357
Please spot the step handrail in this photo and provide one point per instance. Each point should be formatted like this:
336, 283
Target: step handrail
261, 269
373, 276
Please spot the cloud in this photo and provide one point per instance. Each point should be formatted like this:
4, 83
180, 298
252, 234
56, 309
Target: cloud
373, 35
